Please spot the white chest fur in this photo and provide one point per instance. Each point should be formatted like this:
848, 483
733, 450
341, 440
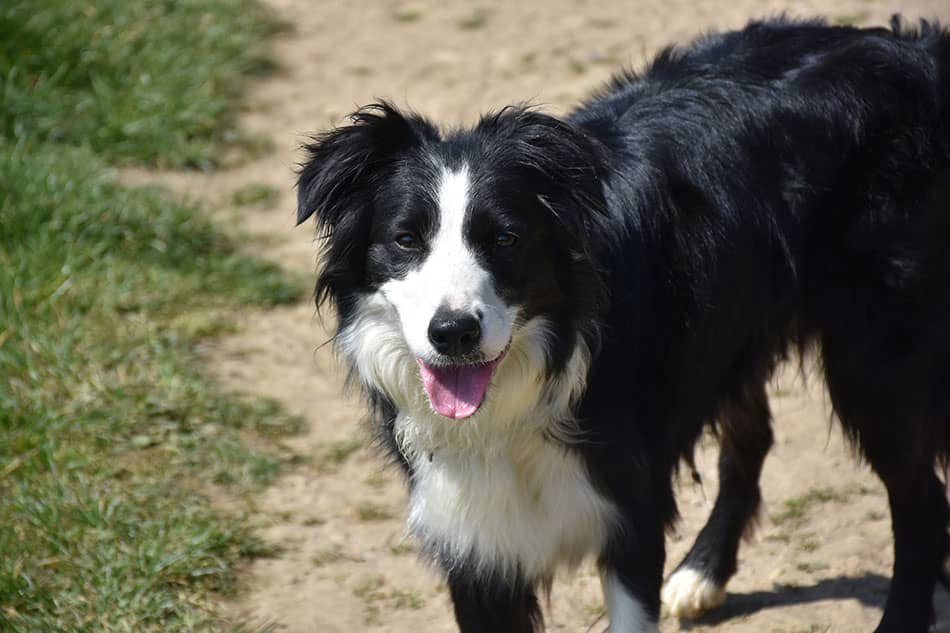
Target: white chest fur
526, 503
490, 490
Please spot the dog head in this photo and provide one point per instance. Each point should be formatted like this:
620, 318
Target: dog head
445, 253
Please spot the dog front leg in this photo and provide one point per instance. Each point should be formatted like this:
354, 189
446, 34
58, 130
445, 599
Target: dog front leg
631, 575
492, 603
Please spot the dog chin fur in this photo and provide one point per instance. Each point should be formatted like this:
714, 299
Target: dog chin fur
498, 491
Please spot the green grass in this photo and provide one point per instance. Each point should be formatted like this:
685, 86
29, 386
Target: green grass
338, 453
810, 567
402, 549
108, 433
475, 20
367, 512
151, 82
111, 438
796, 509
254, 194
850, 19
406, 15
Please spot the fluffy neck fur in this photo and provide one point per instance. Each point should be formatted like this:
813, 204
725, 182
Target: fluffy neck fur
502, 491
525, 399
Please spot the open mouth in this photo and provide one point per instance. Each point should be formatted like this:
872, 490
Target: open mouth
456, 391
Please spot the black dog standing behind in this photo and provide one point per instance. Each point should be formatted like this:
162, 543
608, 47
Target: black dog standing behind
653, 257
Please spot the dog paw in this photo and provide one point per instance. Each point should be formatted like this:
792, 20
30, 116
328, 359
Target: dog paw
688, 594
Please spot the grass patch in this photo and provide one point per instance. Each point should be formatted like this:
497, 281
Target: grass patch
475, 20
367, 512
368, 587
577, 67
602, 23
328, 556
850, 19
797, 508
107, 432
374, 595
377, 480
811, 567
809, 544
361, 71
338, 453
781, 537
402, 549
407, 14
136, 81
256, 194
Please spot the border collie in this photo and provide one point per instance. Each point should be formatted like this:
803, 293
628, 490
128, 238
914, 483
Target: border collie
545, 313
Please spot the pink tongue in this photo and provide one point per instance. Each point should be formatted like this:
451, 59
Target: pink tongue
456, 391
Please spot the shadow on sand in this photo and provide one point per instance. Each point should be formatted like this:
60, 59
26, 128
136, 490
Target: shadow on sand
870, 590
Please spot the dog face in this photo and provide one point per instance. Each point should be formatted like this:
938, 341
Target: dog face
451, 245
469, 240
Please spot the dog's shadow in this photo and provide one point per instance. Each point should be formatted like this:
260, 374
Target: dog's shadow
870, 590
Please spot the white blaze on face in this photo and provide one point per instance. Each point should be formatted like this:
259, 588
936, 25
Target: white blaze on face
451, 277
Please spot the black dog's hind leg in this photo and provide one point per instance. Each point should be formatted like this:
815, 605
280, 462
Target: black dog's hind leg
699, 582
919, 516
895, 441
885, 368
487, 603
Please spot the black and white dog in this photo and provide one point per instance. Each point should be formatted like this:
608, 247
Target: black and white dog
544, 314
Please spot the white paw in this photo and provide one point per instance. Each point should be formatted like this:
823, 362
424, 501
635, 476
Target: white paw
688, 594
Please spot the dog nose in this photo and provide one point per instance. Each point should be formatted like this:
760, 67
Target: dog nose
454, 333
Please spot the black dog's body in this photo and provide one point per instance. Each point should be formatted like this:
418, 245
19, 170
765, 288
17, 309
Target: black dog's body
781, 185
775, 187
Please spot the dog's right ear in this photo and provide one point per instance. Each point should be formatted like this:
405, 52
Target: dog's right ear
341, 166
340, 181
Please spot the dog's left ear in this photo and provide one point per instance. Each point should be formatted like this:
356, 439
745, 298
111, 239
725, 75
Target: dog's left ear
563, 160
333, 181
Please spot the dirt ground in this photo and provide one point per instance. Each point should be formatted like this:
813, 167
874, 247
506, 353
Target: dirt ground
821, 558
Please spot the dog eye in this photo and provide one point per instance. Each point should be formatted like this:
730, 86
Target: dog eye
407, 241
506, 239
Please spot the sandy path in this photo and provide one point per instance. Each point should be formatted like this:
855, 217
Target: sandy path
343, 564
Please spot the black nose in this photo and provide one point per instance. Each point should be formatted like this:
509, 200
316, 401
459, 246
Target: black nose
454, 333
